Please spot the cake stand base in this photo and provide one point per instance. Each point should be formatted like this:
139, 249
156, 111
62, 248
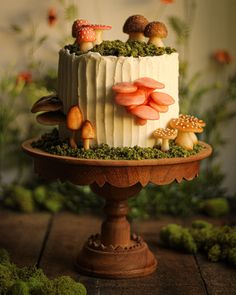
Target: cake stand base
115, 252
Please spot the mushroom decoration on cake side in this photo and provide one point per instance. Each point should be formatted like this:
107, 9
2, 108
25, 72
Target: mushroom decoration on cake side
74, 120
134, 26
51, 118
85, 38
87, 134
165, 134
156, 31
185, 127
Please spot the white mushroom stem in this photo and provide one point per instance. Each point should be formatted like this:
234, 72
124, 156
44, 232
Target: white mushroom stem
85, 46
136, 36
86, 143
184, 140
156, 41
73, 139
165, 145
98, 37
159, 142
193, 137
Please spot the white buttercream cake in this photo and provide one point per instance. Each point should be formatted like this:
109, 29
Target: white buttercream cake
87, 80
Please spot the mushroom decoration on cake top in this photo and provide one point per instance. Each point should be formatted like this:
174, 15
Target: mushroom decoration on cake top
99, 32
134, 26
156, 31
77, 25
85, 38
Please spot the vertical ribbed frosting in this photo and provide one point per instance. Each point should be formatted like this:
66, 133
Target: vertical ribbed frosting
87, 80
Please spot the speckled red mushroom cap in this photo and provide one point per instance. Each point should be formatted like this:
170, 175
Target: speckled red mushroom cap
156, 29
86, 34
77, 25
135, 23
100, 27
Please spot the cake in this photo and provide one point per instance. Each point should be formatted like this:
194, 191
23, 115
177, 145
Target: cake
121, 94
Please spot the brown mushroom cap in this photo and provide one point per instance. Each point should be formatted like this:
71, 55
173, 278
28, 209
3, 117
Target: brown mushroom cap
165, 133
51, 118
192, 119
156, 29
87, 130
185, 125
49, 103
74, 118
135, 23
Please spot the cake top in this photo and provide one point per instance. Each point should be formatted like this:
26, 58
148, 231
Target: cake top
88, 37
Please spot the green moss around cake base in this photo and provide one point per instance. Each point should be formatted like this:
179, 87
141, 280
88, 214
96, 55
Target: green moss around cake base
119, 48
51, 143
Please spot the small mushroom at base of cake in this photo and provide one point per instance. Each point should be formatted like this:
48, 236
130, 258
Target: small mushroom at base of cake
165, 134
74, 120
193, 119
99, 32
185, 128
87, 134
134, 26
156, 31
85, 38
51, 118
49, 103
77, 25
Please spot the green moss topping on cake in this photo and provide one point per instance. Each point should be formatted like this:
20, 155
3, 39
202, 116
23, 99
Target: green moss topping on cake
51, 143
119, 48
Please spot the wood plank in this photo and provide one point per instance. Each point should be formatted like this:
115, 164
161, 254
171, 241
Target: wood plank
22, 235
176, 273
68, 234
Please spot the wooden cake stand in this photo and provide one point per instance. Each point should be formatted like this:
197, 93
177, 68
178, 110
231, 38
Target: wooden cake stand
115, 253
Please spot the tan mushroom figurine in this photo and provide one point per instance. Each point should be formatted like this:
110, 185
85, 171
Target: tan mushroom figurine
185, 127
74, 120
156, 31
85, 38
165, 134
87, 134
134, 26
193, 119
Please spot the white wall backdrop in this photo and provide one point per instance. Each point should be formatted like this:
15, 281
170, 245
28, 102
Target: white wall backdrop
213, 28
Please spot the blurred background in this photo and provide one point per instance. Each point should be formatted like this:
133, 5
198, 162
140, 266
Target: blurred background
203, 32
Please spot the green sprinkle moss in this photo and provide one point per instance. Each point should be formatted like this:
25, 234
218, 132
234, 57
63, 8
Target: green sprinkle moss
51, 143
119, 48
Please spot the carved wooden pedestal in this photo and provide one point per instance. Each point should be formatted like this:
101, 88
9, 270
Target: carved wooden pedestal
115, 252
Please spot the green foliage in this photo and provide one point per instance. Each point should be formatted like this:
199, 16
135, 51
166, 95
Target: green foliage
30, 280
218, 242
215, 207
180, 27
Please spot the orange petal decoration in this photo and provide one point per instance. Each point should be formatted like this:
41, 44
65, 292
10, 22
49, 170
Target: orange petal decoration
162, 98
140, 121
145, 112
149, 83
127, 99
125, 87
157, 107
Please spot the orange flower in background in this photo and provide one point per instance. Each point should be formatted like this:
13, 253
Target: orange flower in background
167, 1
24, 77
222, 57
52, 16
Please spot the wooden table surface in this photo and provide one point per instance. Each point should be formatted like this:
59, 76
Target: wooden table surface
53, 241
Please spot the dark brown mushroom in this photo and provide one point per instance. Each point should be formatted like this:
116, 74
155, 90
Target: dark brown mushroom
51, 118
156, 31
49, 103
134, 26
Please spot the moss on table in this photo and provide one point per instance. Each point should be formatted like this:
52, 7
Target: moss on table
119, 48
51, 143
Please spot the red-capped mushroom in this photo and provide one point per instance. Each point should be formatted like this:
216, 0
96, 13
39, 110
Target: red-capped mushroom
99, 31
77, 25
85, 38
